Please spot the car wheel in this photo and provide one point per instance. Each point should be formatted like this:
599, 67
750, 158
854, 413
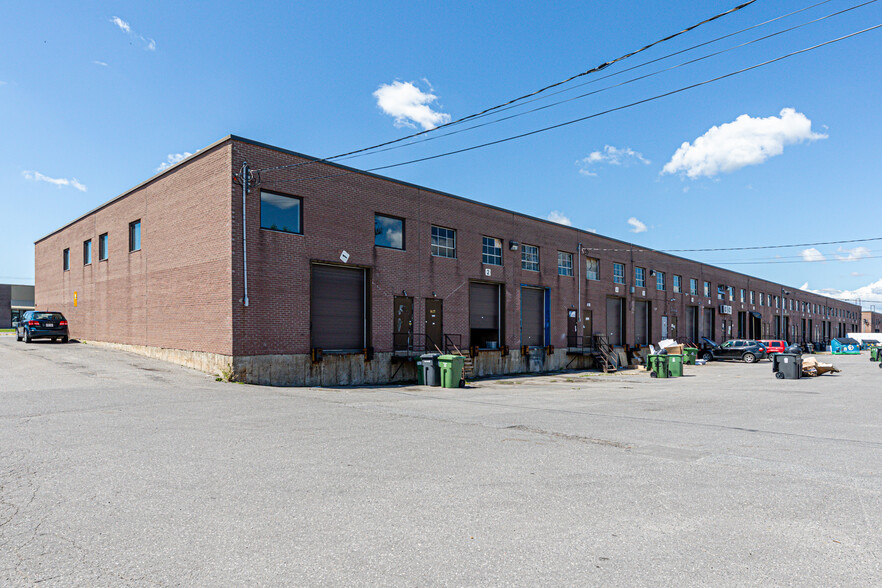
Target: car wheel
17, 336
653, 375
27, 337
707, 356
64, 339
748, 358
779, 375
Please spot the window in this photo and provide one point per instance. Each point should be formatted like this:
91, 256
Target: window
678, 284
135, 236
618, 273
762, 299
659, 280
731, 294
65, 259
592, 268
102, 247
87, 252
777, 302
530, 258
640, 277
721, 292
443, 242
742, 295
707, 289
752, 297
491, 251
564, 263
693, 286
388, 232
279, 212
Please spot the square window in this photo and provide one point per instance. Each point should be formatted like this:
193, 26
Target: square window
87, 252
443, 242
618, 273
564, 263
388, 232
491, 251
592, 268
678, 284
102, 247
65, 259
530, 258
135, 236
660, 280
640, 277
279, 212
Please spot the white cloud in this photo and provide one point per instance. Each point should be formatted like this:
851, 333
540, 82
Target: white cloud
745, 141
149, 44
557, 216
857, 274
610, 156
812, 254
853, 254
872, 291
172, 159
60, 182
101, 63
638, 227
409, 105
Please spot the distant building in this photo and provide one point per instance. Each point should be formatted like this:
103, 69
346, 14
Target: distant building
871, 322
350, 275
14, 300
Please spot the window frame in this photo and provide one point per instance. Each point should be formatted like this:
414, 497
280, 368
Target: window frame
403, 232
596, 272
568, 268
103, 242
639, 277
433, 245
707, 289
532, 263
299, 210
618, 273
485, 255
87, 247
693, 286
132, 226
65, 260
661, 281
678, 284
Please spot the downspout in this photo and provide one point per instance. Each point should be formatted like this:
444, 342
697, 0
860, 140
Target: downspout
245, 174
581, 329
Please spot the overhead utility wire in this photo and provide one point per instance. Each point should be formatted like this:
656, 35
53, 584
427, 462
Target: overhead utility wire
744, 248
791, 261
595, 115
629, 81
531, 94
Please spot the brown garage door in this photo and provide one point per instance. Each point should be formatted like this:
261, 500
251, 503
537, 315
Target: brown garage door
337, 307
532, 316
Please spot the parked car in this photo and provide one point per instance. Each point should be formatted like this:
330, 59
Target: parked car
774, 346
38, 324
740, 349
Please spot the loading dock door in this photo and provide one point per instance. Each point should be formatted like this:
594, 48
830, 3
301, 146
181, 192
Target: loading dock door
642, 317
485, 310
615, 321
692, 323
532, 316
708, 324
337, 308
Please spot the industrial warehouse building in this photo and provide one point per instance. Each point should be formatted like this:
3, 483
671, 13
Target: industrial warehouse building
349, 275
15, 300
871, 321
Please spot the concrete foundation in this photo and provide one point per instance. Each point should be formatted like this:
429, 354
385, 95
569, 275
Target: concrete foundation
211, 363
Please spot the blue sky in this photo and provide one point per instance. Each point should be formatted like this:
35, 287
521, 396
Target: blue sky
99, 95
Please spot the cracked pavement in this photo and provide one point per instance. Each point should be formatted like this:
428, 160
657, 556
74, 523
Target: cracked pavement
119, 470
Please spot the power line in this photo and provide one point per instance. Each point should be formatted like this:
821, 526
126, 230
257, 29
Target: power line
531, 94
737, 248
793, 261
604, 89
590, 116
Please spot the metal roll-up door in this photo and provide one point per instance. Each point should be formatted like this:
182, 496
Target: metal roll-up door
614, 321
484, 306
532, 316
337, 307
641, 322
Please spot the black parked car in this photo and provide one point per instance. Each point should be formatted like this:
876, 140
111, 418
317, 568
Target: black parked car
742, 349
38, 324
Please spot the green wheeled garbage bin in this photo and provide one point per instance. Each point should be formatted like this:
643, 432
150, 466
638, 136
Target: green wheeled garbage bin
874, 354
787, 366
690, 354
658, 366
451, 371
675, 365
431, 373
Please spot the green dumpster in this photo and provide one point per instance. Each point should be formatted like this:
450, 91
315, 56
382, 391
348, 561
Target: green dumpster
451, 370
690, 354
675, 365
658, 366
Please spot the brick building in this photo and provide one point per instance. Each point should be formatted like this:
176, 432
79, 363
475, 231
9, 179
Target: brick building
871, 322
349, 274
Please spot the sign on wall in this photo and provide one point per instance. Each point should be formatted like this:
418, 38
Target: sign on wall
75, 299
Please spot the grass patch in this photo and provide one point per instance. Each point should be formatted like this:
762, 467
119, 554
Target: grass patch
7, 330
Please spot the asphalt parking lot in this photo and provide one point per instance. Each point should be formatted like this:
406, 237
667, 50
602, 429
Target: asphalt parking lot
120, 470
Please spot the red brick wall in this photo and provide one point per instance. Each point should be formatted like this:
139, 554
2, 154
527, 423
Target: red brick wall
175, 291
338, 215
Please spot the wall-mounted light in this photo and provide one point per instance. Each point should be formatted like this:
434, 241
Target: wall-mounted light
652, 272
513, 245
404, 292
